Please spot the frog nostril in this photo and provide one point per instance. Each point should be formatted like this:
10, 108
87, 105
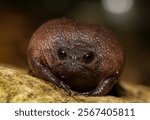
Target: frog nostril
74, 58
78, 58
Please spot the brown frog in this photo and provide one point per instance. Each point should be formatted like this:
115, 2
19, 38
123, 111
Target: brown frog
76, 56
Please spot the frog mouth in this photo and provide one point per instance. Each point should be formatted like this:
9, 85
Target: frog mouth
79, 82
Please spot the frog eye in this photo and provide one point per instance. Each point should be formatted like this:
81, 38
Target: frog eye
62, 54
88, 57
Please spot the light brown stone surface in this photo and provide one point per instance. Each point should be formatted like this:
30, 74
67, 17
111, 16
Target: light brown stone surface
16, 86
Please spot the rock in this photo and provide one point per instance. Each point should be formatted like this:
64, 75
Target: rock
17, 86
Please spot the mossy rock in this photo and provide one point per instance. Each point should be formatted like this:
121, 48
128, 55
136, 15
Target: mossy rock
16, 86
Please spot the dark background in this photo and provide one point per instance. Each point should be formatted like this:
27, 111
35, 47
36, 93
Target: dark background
20, 18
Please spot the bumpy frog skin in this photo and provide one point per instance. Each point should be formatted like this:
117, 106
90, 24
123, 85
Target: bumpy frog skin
76, 56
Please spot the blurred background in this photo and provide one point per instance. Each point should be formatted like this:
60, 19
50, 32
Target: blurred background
129, 19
